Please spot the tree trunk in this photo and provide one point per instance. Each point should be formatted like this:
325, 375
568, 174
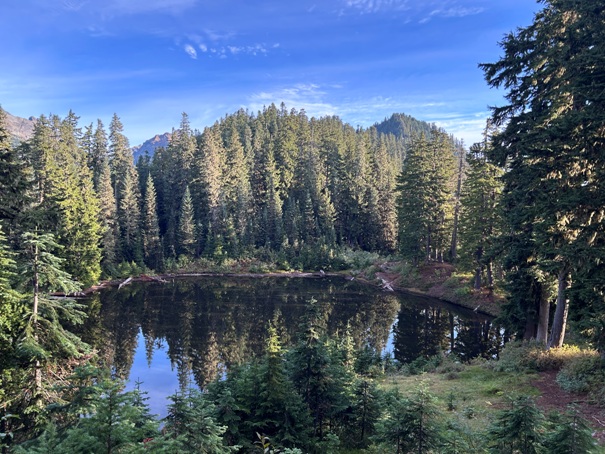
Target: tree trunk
478, 278
559, 323
543, 319
490, 275
453, 251
36, 285
479, 269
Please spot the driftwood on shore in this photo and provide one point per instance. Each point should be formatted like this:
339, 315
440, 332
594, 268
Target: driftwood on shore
126, 282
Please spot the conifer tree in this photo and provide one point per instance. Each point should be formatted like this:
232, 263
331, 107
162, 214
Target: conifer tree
550, 141
425, 206
191, 427
14, 181
11, 305
186, 231
129, 216
65, 201
109, 218
120, 156
210, 164
518, 428
44, 337
152, 246
479, 217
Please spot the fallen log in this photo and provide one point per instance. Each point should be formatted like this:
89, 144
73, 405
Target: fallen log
126, 282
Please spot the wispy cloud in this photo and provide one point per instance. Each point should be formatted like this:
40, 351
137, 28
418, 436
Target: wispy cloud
215, 36
309, 97
325, 100
190, 50
373, 6
454, 11
422, 11
141, 6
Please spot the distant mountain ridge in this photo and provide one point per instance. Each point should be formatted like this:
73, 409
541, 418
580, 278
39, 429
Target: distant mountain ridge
149, 146
20, 129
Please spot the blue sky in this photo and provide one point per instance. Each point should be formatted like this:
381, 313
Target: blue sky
150, 60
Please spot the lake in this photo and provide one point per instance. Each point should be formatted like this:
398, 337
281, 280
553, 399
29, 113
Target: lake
190, 330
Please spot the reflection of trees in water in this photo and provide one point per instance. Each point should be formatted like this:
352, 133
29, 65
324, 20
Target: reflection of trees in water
208, 325
423, 330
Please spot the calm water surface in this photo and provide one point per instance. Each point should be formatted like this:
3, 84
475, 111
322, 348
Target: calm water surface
189, 331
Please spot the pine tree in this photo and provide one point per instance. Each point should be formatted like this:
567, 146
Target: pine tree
414, 204
116, 421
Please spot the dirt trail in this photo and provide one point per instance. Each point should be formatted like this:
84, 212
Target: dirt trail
553, 398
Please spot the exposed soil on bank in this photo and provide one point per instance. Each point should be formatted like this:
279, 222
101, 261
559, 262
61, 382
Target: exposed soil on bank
437, 280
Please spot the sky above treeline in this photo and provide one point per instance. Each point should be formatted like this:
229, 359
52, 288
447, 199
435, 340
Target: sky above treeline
150, 60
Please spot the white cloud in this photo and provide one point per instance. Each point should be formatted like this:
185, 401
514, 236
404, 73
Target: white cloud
203, 48
190, 51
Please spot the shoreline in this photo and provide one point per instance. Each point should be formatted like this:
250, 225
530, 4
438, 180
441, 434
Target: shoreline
388, 282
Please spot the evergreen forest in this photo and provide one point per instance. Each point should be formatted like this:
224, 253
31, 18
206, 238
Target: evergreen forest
520, 215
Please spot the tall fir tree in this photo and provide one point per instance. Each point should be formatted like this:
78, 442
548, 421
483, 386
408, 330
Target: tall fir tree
152, 244
129, 218
480, 215
424, 205
186, 229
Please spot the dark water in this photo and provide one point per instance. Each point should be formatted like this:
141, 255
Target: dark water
188, 331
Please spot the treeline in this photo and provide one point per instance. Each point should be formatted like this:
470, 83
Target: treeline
319, 396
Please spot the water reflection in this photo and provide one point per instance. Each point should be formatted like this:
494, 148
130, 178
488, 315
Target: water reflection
200, 327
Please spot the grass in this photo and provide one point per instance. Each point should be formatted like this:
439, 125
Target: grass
472, 393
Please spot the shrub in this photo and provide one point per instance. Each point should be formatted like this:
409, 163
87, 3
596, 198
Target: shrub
581, 373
